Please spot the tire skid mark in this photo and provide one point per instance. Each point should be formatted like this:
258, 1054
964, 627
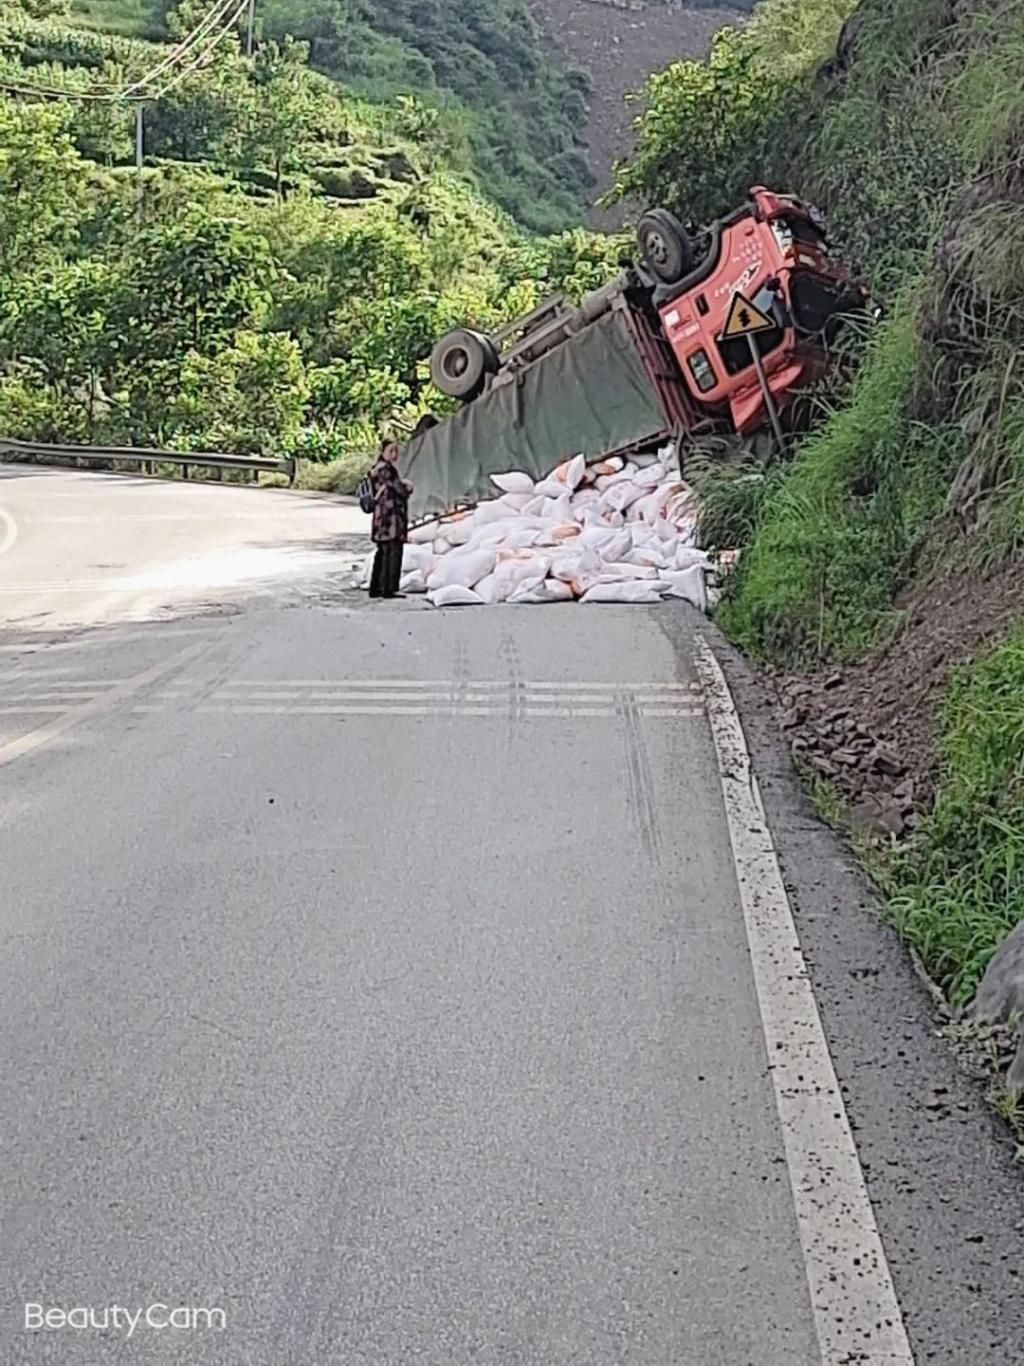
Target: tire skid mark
639, 779
194, 697
509, 652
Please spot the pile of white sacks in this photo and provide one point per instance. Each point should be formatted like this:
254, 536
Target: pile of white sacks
613, 531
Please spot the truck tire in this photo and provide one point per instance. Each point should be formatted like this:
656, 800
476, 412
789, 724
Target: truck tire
461, 361
665, 246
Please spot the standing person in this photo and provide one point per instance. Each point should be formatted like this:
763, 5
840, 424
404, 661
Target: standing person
390, 521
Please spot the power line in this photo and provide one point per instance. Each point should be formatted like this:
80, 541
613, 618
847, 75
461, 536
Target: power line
187, 71
49, 93
136, 92
183, 48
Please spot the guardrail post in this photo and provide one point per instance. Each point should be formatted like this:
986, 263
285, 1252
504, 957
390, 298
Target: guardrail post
292, 471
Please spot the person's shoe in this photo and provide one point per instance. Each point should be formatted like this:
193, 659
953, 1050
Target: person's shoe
376, 595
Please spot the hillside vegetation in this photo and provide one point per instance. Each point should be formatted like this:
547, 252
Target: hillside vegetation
883, 562
273, 280
478, 64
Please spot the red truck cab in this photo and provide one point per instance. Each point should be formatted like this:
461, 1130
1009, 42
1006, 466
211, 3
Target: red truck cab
773, 252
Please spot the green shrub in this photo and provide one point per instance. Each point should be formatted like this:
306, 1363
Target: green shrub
958, 887
820, 572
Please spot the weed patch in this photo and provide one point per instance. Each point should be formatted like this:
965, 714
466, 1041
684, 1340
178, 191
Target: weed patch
835, 535
958, 887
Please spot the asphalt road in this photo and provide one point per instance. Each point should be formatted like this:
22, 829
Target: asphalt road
403, 986
84, 548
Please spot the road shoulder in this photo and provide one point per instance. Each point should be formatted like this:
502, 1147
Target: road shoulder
940, 1169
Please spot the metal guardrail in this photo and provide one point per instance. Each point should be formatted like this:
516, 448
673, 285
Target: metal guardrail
40, 452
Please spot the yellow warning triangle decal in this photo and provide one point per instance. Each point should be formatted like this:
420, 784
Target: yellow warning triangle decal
745, 318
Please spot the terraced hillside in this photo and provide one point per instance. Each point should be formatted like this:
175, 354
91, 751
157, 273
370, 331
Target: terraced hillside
269, 279
508, 112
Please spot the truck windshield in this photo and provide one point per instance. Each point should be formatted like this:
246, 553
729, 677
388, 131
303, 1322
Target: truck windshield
819, 305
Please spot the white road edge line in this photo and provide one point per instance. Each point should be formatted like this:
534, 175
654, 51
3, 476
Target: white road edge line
856, 1313
42, 735
497, 684
10, 531
425, 709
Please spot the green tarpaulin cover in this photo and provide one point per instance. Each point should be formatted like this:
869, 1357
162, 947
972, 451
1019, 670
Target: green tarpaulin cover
591, 394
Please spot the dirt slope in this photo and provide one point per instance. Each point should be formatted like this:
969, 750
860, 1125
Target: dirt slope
619, 43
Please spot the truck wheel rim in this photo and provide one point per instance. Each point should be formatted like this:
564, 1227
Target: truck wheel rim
657, 248
454, 364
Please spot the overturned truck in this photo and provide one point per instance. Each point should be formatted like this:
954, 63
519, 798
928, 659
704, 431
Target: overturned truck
645, 359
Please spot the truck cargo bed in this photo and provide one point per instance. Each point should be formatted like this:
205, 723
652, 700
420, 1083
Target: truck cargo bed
592, 394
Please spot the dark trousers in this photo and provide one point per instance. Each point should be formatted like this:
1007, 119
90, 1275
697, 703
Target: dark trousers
387, 569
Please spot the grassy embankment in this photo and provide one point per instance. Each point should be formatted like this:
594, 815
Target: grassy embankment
916, 152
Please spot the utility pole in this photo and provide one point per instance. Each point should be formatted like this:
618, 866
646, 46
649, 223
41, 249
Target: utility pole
252, 21
138, 138
140, 148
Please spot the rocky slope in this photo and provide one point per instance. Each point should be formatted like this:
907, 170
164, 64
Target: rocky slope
619, 43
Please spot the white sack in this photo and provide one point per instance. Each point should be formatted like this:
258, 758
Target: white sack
423, 535
620, 572
647, 555
651, 476
637, 591
455, 595
487, 513
620, 497
565, 567
557, 509
688, 555
465, 568
541, 590
550, 488
572, 472
419, 557
524, 588
515, 481
487, 588
618, 546
413, 582
690, 584
458, 531
515, 502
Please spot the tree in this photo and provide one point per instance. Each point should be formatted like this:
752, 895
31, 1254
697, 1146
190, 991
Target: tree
283, 120
183, 17
61, 319
203, 118
695, 137
248, 398
193, 284
42, 187
39, 9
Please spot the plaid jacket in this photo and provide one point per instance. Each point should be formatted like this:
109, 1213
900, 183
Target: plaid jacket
390, 503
